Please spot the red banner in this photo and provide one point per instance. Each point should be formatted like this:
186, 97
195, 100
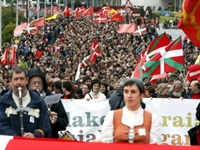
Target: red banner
50, 144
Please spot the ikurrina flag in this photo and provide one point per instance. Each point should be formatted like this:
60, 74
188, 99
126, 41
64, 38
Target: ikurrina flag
170, 58
154, 47
190, 20
141, 30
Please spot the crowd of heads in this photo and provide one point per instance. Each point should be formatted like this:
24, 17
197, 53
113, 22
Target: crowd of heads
74, 37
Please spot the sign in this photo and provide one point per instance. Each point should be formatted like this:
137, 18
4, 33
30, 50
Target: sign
128, 6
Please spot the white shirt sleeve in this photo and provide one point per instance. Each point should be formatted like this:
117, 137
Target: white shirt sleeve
155, 134
108, 128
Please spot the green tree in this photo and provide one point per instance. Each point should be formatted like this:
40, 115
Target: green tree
160, 8
9, 20
77, 2
7, 33
172, 8
141, 11
150, 11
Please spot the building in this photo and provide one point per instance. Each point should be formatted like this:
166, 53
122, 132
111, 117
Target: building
154, 4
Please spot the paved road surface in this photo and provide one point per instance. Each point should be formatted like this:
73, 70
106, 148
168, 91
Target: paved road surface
173, 32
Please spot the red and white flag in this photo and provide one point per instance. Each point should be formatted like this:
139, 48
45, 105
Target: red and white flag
100, 20
95, 51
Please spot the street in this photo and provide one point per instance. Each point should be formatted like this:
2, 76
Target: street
173, 32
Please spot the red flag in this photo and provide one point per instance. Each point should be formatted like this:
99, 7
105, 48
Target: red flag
126, 28
55, 9
190, 21
95, 51
20, 29
85, 61
4, 59
37, 22
88, 12
66, 12
13, 59
104, 10
117, 17
78, 11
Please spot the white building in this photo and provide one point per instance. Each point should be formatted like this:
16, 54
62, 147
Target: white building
154, 4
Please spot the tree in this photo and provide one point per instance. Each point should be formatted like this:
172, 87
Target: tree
7, 33
160, 8
9, 20
172, 8
150, 11
142, 12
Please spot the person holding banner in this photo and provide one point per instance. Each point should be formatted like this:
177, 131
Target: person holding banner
131, 123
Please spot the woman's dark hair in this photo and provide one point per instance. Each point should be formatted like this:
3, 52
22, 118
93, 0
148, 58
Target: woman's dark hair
78, 91
106, 87
95, 81
57, 84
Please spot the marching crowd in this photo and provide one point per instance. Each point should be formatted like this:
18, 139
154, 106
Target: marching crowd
53, 55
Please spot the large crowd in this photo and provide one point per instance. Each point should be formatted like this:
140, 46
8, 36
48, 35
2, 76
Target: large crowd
49, 62
63, 43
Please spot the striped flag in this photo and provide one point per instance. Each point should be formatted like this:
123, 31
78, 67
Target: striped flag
168, 59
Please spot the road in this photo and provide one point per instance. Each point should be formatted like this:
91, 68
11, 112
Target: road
175, 33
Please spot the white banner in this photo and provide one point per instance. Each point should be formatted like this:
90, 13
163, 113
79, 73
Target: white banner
176, 117
86, 117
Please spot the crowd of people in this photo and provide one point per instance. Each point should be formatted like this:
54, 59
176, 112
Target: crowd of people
53, 55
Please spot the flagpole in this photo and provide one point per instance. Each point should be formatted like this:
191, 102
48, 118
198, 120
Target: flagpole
17, 13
